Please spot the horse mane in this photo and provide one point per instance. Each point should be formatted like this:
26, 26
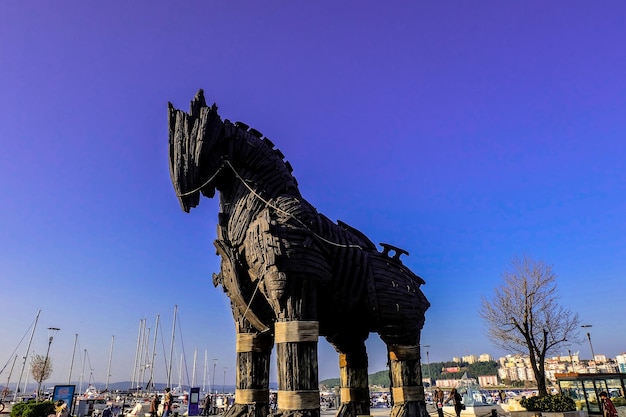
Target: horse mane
257, 160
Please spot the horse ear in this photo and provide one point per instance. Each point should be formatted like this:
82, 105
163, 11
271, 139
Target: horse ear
197, 103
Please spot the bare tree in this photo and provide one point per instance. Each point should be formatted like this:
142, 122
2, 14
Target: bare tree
524, 316
40, 369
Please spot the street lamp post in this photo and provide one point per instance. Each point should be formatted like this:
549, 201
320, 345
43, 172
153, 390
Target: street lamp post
51, 332
428, 365
587, 326
224, 383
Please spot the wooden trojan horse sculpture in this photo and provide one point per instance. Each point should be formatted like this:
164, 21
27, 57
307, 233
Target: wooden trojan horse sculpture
293, 275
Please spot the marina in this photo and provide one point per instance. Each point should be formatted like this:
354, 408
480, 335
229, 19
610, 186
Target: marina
92, 402
140, 407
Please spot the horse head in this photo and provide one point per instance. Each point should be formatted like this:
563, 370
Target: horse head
193, 138
202, 146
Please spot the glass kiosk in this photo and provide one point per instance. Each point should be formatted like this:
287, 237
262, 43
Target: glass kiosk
585, 389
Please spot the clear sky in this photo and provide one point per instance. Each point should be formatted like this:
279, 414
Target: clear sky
467, 133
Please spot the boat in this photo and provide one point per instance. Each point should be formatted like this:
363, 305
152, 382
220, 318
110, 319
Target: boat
91, 393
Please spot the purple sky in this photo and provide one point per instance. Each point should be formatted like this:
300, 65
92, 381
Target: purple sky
467, 133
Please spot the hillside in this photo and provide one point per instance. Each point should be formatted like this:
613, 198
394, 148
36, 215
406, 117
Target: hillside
436, 370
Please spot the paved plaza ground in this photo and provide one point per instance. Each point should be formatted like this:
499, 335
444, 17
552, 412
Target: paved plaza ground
378, 411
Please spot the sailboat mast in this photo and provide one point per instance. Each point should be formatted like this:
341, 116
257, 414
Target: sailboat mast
30, 368
82, 373
205, 370
133, 379
69, 378
143, 355
154, 345
4, 392
109, 368
145, 347
169, 372
180, 374
193, 372
26, 357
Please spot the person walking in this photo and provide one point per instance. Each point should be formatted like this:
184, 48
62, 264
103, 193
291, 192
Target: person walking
154, 405
502, 396
206, 407
438, 398
167, 403
608, 409
457, 401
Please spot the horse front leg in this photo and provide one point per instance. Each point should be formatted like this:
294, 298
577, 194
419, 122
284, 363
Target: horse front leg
296, 338
252, 376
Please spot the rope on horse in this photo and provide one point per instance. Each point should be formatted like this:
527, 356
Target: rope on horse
256, 288
298, 400
341, 245
296, 331
251, 396
354, 394
252, 342
203, 185
405, 394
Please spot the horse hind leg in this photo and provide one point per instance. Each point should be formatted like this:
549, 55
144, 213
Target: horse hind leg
353, 377
407, 389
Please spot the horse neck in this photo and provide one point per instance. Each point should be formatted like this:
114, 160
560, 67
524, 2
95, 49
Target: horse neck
254, 174
253, 165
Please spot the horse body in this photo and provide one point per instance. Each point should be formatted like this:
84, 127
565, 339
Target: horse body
283, 262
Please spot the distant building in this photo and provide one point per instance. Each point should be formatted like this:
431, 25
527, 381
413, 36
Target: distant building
447, 383
488, 381
559, 365
572, 358
621, 362
600, 358
517, 367
507, 374
525, 374
470, 359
